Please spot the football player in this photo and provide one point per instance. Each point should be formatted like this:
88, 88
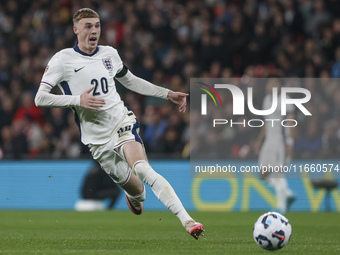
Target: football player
86, 75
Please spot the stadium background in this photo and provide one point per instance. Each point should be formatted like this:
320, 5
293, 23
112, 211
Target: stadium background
167, 43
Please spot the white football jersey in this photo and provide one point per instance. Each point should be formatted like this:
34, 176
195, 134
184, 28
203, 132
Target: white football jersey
75, 72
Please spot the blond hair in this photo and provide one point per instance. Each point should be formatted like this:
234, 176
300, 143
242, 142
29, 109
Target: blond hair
84, 13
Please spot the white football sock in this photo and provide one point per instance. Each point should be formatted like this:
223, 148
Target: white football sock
282, 192
162, 189
140, 198
284, 185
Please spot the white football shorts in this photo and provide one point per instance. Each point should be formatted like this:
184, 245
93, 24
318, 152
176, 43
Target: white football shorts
110, 155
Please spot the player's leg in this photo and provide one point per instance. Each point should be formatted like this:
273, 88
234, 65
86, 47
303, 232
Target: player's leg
265, 161
133, 186
290, 197
276, 183
137, 160
118, 169
135, 194
285, 196
136, 157
273, 155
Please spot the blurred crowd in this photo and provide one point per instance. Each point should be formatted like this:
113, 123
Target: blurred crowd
168, 42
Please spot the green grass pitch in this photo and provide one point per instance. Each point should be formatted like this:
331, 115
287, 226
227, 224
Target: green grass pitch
121, 232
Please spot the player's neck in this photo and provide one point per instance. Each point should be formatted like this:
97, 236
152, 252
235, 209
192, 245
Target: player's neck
85, 51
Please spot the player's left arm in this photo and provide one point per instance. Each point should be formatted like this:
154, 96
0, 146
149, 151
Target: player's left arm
143, 87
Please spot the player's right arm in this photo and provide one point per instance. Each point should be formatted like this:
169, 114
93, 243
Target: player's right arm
53, 75
44, 98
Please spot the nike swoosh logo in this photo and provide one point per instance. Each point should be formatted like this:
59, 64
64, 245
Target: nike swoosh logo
153, 183
77, 70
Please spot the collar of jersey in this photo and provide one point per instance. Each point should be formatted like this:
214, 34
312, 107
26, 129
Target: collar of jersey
76, 48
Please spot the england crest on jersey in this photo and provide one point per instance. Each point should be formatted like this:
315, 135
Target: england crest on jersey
107, 62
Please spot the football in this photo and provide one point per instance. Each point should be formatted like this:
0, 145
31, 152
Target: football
272, 231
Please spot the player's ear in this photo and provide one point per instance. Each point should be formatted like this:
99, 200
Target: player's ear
75, 30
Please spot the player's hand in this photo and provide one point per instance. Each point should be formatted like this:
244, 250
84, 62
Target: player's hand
90, 102
179, 98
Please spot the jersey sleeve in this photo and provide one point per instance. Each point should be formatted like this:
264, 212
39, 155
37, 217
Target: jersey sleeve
141, 86
53, 73
134, 83
117, 61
